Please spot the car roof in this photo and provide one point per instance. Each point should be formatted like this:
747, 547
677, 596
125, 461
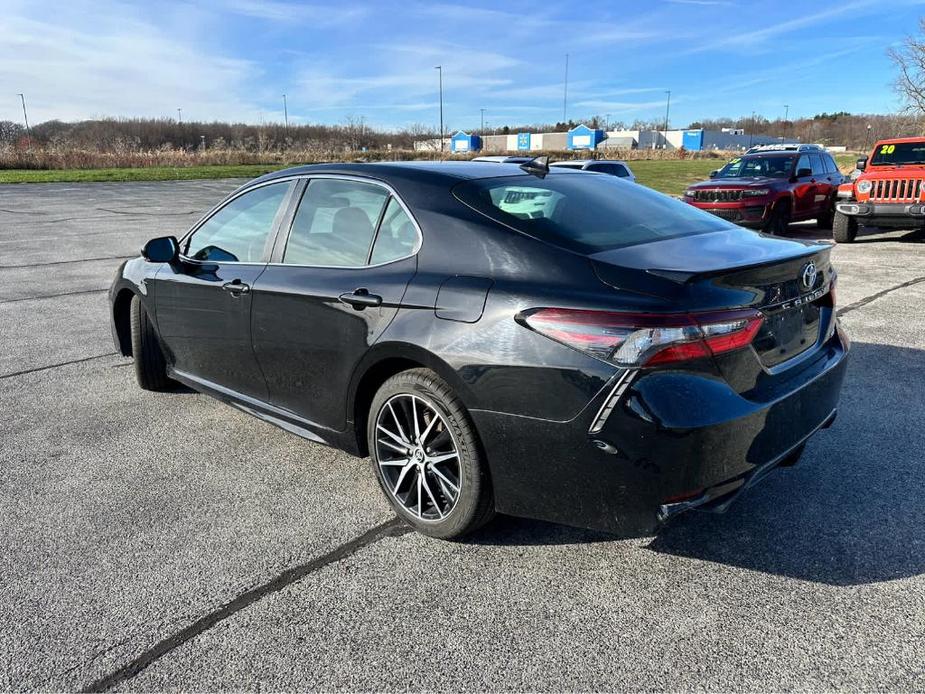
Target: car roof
900, 140
424, 171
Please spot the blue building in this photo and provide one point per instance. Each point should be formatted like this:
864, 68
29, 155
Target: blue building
463, 142
583, 137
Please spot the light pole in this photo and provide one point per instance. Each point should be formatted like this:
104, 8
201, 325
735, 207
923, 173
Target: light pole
286, 113
565, 95
786, 117
180, 116
751, 129
439, 69
22, 98
667, 110
482, 128
867, 138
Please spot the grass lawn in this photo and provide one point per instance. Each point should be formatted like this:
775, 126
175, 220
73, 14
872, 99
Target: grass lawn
154, 173
667, 176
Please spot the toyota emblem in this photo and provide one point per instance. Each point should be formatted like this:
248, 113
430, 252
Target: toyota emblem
809, 275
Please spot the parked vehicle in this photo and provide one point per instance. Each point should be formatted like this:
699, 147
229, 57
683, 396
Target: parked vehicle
502, 159
771, 187
889, 192
533, 341
614, 167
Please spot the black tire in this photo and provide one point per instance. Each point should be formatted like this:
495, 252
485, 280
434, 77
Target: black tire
473, 505
150, 365
844, 228
779, 220
825, 220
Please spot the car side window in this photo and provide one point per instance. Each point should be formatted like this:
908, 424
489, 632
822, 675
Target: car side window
397, 235
335, 223
803, 163
238, 232
620, 170
818, 165
600, 168
830, 165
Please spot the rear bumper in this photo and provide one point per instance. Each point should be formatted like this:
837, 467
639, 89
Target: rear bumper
882, 214
655, 444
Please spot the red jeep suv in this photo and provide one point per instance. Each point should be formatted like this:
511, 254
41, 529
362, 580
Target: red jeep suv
770, 186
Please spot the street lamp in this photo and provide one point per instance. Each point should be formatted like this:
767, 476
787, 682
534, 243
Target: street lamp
867, 139
482, 128
286, 113
439, 69
22, 98
180, 116
565, 95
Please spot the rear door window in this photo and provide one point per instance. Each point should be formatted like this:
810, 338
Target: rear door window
587, 214
397, 237
818, 165
335, 223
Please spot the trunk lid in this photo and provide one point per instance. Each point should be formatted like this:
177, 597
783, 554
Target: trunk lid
787, 280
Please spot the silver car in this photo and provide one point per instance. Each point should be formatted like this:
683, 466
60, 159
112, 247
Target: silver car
614, 167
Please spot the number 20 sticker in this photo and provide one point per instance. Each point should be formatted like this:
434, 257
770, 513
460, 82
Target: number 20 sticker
887, 149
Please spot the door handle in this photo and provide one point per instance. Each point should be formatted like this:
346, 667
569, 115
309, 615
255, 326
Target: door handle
236, 287
361, 298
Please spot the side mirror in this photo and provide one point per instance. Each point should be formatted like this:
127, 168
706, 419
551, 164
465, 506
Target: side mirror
165, 249
803, 173
862, 164
714, 173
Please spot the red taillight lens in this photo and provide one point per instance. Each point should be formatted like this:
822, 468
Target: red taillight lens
643, 339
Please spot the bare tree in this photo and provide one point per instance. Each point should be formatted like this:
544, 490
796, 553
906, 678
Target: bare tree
909, 59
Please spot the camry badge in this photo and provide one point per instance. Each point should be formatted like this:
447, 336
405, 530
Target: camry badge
809, 275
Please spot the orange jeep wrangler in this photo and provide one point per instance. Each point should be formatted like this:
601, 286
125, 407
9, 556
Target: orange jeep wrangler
890, 192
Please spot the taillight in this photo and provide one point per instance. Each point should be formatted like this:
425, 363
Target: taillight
646, 339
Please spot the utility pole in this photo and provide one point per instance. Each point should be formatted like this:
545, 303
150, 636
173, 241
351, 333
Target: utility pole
180, 116
22, 98
439, 69
786, 112
751, 131
607, 124
667, 110
482, 128
867, 139
286, 113
565, 95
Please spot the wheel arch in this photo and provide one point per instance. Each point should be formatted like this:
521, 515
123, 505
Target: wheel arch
381, 363
121, 320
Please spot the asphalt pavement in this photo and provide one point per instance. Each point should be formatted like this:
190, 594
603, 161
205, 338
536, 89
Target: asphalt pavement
167, 541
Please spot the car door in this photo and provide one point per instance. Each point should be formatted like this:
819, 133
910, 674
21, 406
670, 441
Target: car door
823, 178
203, 302
335, 283
804, 190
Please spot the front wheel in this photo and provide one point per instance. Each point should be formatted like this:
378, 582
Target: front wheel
779, 219
150, 365
426, 456
844, 228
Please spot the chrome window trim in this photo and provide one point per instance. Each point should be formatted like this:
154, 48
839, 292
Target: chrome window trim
227, 201
359, 179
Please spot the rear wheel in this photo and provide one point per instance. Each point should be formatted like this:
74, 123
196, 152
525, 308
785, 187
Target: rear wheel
426, 455
779, 219
844, 228
150, 365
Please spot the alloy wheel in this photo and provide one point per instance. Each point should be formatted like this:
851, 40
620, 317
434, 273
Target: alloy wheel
418, 457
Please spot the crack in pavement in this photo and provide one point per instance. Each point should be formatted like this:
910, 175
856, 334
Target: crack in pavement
873, 297
66, 262
391, 528
52, 296
55, 366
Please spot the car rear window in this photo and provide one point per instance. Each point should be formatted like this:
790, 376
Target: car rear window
587, 214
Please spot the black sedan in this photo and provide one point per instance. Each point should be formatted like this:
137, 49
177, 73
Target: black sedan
498, 338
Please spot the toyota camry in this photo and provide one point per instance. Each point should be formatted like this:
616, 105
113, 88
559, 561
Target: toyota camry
539, 342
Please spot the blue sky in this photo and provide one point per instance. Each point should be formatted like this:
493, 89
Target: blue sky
233, 60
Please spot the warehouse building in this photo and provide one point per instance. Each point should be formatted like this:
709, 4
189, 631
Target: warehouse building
584, 137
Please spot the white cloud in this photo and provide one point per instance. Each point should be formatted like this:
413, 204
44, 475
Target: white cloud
112, 63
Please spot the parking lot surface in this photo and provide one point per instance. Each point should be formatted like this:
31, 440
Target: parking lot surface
167, 541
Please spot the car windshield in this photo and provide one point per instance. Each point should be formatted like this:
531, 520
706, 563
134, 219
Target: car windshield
898, 154
758, 167
587, 214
